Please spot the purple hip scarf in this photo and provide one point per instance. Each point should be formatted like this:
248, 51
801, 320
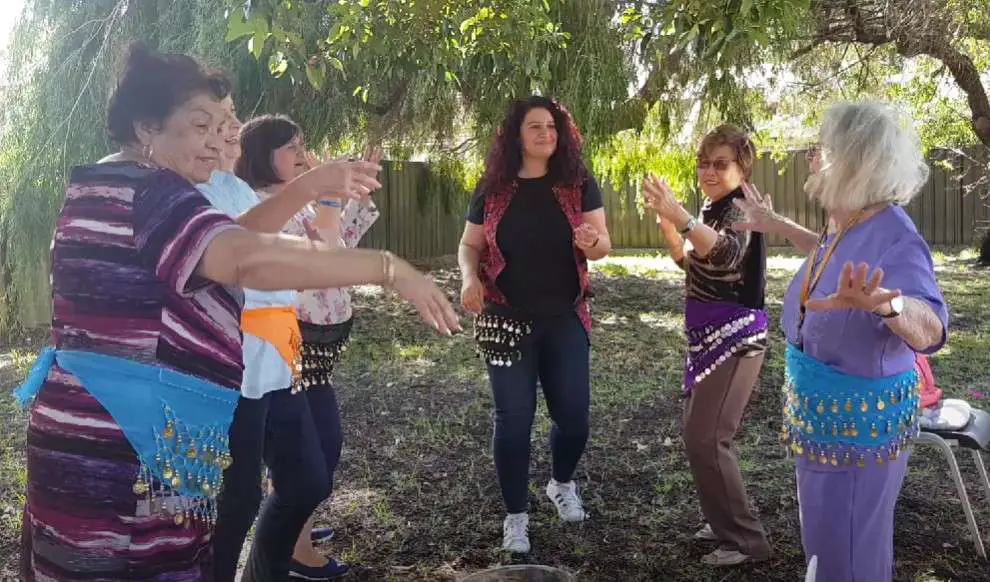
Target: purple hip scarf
716, 332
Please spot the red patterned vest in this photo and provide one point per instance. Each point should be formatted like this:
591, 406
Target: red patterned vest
492, 261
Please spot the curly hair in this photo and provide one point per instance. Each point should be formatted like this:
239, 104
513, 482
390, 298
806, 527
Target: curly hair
505, 156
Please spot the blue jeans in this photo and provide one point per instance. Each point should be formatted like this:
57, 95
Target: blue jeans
556, 354
298, 436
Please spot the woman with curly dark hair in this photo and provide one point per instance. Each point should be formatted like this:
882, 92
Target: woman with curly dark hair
533, 223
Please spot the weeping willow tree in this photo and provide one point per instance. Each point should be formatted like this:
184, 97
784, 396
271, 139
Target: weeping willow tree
62, 59
428, 77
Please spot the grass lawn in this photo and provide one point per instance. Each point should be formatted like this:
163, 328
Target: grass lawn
416, 496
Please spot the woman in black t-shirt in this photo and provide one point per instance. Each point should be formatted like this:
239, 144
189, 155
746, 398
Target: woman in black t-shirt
533, 224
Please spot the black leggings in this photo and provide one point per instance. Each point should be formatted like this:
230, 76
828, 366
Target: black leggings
299, 438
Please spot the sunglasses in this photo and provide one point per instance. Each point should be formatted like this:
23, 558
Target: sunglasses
720, 165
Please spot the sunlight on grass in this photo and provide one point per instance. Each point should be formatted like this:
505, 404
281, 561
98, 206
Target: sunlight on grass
19, 360
643, 265
649, 265
663, 320
412, 352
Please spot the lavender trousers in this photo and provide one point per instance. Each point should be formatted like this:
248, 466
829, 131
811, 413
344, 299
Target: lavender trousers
847, 518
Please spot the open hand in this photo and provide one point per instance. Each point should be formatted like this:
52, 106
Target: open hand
758, 209
585, 236
661, 198
426, 297
858, 289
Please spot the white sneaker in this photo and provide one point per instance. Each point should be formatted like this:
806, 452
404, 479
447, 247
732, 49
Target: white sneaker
722, 558
565, 497
705, 534
515, 533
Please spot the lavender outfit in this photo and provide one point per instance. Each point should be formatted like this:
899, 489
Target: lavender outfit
847, 505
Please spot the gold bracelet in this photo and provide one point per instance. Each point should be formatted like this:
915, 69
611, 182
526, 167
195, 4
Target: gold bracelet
388, 269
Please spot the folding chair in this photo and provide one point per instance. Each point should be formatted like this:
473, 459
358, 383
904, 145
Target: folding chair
975, 436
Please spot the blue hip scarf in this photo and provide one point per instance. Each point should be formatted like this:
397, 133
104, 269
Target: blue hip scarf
176, 423
837, 418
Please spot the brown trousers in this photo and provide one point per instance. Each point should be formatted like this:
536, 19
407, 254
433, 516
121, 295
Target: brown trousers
711, 418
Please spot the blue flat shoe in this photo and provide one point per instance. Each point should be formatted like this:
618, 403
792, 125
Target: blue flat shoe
322, 534
331, 571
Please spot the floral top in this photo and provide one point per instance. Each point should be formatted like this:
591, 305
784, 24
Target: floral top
330, 306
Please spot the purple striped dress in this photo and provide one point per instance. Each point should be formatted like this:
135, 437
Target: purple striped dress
126, 246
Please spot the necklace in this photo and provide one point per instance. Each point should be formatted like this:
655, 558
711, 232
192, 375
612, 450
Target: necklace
814, 270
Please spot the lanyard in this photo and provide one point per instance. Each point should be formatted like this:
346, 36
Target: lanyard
813, 272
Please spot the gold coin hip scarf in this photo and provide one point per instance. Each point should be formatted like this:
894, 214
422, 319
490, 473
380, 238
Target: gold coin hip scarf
323, 347
834, 418
501, 339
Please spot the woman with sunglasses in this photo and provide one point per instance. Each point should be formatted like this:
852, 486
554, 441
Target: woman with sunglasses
726, 329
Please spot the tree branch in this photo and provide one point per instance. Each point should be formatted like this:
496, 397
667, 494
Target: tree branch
394, 99
915, 27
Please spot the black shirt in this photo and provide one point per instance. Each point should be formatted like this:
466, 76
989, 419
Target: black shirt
536, 239
735, 269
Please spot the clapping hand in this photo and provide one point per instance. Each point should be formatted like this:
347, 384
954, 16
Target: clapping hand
858, 289
661, 198
585, 236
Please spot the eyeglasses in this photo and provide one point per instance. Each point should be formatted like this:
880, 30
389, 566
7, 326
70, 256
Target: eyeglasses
720, 165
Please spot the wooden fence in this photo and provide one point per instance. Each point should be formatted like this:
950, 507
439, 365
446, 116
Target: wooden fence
952, 208
416, 223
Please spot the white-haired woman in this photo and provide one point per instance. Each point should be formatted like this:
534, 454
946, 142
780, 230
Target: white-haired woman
864, 303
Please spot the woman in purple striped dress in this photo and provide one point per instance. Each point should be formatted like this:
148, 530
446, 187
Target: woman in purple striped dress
145, 274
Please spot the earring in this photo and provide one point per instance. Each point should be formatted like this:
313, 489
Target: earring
147, 152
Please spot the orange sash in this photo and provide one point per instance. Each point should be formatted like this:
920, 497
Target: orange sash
279, 327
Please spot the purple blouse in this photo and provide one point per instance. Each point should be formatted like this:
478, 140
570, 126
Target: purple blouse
853, 341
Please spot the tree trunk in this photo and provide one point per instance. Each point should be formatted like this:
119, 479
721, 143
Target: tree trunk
985, 249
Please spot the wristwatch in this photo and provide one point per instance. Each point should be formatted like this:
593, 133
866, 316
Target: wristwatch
689, 226
896, 308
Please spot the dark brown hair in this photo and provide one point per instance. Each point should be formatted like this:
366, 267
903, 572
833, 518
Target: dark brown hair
736, 139
505, 157
260, 137
152, 85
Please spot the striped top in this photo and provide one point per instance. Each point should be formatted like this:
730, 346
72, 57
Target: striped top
126, 246
735, 269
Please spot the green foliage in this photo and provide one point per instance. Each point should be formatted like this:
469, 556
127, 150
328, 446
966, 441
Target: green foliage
427, 72
451, 180
62, 62
629, 155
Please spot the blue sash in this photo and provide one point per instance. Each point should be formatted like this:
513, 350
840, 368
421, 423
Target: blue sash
176, 423
838, 418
